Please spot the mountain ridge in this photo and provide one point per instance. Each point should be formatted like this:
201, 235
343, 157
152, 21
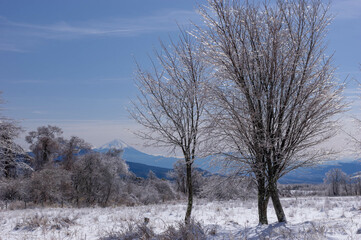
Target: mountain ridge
144, 162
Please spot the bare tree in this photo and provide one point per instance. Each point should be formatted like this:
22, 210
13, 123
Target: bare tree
45, 144
275, 92
172, 101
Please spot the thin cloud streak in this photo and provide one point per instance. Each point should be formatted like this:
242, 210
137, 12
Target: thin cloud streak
24, 81
16, 32
4, 47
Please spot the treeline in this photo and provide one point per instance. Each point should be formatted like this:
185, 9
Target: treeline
66, 171
336, 183
61, 171
341, 184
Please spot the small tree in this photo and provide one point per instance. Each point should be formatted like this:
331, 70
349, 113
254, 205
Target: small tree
275, 94
45, 144
51, 185
179, 176
172, 101
96, 176
335, 179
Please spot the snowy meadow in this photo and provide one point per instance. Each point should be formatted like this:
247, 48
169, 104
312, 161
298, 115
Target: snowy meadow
308, 218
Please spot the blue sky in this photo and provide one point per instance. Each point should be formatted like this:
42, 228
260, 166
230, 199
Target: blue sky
71, 63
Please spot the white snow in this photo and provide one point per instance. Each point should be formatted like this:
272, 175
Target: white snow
116, 143
308, 218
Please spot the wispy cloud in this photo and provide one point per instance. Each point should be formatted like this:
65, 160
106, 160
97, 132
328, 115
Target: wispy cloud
70, 82
39, 112
23, 81
6, 47
17, 35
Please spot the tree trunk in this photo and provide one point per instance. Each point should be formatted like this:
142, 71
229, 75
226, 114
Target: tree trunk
277, 203
262, 202
190, 191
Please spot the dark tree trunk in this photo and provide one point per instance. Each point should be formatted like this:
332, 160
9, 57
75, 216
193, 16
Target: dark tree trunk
263, 198
8, 169
9, 164
190, 191
277, 203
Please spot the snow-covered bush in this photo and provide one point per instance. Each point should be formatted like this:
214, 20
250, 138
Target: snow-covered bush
96, 179
147, 191
51, 185
9, 189
192, 231
45, 222
179, 176
301, 190
163, 187
226, 188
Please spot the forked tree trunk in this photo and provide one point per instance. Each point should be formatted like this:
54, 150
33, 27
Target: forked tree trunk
263, 198
190, 191
277, 203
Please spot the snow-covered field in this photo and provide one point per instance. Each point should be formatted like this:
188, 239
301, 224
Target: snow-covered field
308, 218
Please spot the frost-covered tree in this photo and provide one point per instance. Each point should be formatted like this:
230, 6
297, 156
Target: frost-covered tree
151, 175
172, 101
157, 189
96, 177
226, 188
50, 184
336, 179
45, 143
275, 94
9, 150
357, 183
179, 176
71, 149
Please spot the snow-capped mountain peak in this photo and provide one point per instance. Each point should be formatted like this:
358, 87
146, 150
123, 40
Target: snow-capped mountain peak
116, 143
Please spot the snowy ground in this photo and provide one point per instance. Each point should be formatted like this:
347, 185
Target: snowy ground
309, 218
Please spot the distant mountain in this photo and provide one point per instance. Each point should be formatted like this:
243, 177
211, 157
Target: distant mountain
116, 143
142, 170
131, 154
140, 163
317, 173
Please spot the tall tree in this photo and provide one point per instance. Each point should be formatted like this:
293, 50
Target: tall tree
172, 102
45, 144
275, 91
9, 150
